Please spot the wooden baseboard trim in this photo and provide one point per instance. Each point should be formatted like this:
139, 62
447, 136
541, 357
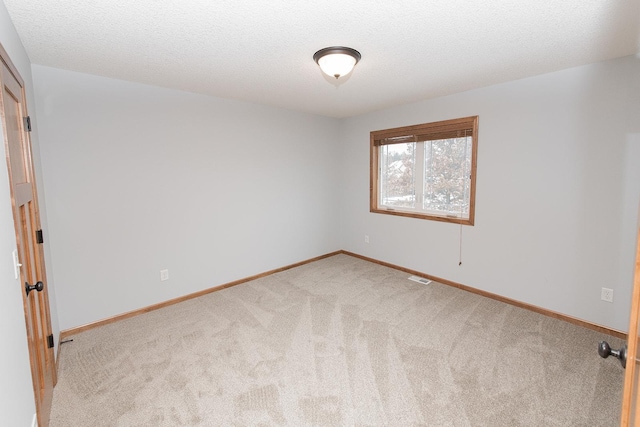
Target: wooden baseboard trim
599, 328
530, 307
73, 331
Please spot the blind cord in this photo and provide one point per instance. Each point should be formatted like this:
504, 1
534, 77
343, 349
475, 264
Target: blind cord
460, 254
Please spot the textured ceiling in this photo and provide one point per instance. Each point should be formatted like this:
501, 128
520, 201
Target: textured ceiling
262, 51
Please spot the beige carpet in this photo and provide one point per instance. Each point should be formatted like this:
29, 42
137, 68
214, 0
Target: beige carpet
339, 342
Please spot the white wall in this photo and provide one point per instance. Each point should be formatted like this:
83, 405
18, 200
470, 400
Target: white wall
140, 178
16, 391
557, 191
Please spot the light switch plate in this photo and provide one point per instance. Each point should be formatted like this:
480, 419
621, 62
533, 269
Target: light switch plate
16, 264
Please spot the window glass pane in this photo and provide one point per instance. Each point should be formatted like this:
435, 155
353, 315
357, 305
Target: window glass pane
447, 177
397, 169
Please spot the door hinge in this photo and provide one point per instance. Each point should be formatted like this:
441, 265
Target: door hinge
39, 237
50, 342
27, 123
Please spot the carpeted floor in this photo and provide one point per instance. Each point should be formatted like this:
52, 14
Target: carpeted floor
338, 342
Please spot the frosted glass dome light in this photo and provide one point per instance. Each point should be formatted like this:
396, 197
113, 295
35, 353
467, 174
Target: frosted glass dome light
337, 61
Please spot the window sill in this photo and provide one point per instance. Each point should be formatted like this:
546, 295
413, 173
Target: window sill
419, 215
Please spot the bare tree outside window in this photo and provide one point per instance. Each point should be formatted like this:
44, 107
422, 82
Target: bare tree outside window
397, 178
447, 175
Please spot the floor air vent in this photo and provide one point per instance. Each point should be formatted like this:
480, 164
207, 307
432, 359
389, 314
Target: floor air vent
420, 280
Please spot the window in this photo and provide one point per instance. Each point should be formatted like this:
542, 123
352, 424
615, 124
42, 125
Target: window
426, 171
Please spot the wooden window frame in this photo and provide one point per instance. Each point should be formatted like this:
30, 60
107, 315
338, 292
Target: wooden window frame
424, 132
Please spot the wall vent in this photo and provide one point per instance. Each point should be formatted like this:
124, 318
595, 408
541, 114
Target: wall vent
420, 280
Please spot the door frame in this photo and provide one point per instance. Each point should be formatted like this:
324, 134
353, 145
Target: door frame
630, 412
42, 407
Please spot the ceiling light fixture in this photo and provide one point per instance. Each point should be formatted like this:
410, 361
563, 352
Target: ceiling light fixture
337, 61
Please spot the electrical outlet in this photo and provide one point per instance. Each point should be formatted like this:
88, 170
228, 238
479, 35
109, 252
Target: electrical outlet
606, 295
366, 238
164, 275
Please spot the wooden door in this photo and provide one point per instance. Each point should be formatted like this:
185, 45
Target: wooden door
27, 223
631, 398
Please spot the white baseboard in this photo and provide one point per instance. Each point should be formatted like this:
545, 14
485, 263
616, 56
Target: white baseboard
34, 422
